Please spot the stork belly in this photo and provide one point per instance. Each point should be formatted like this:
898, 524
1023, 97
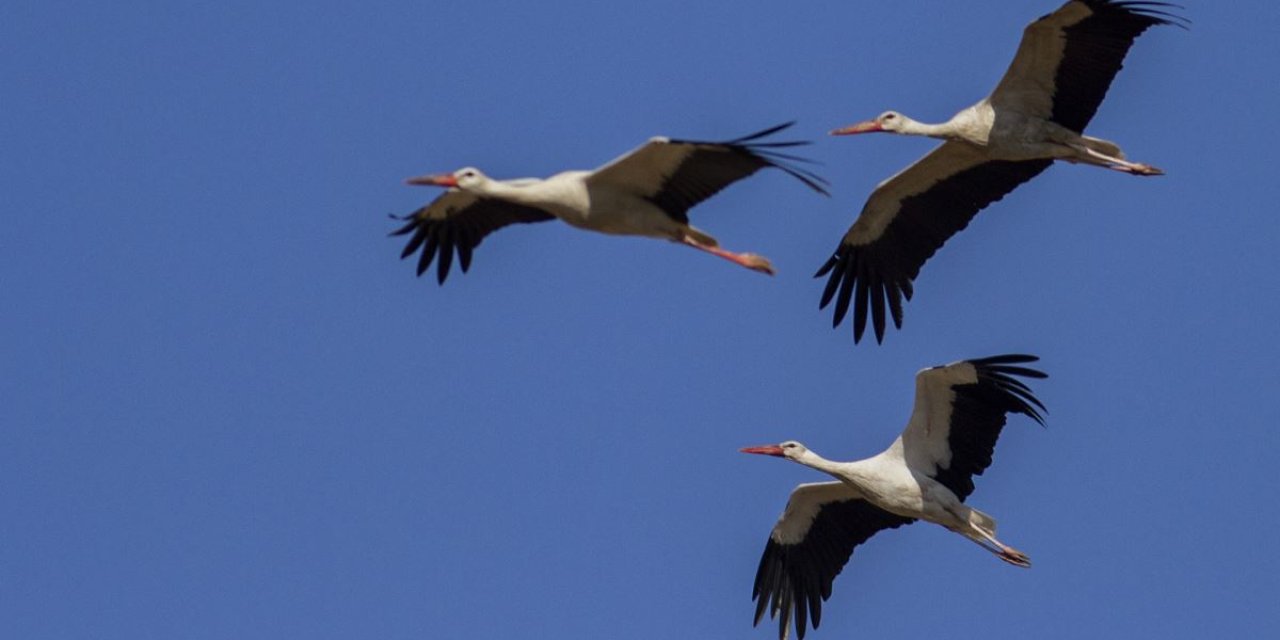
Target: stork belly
627, 222
1020, 138
903, 499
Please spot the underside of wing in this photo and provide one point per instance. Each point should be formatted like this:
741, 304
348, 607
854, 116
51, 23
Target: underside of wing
960, 410
807, 549
1067, 59
904, 222
676, 175
458, 221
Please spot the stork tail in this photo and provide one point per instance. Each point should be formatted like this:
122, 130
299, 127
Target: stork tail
1105, 147
982, 522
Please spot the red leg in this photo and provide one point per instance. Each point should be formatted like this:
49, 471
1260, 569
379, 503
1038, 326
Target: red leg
748, 260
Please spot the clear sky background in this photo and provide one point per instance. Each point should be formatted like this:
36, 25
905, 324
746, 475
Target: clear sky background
227, 409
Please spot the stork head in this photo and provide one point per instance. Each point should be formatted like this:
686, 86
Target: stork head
790, 450
889, 121
465, 179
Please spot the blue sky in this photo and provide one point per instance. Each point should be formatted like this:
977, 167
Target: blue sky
228, 411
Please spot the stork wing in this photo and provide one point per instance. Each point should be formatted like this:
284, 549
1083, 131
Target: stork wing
906, 219
676, 175
809, 546
1067, 59
959, 411
459, 220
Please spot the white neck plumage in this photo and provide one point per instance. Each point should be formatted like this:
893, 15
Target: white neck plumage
943, 131
521, 191
830, 467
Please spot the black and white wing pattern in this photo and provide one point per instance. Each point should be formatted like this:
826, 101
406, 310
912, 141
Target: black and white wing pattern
908, 218
959, 412
1068, 58
676, 175
810, 544
459, 221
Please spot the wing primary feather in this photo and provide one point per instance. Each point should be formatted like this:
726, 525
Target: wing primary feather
428, 253
826, 268
908, 218
846, 290
895, 304
413, 223
458, 222
877, 309
446, 255
414, 242
979, 412
860, 307
1009, 358
464, 247
830, 290
762, 133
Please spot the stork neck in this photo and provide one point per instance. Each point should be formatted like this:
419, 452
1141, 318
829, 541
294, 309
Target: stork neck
941, 131
830, 467
519, 193
559, 195
857, 474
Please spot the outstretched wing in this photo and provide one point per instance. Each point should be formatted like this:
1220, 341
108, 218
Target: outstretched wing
906, 219
676, 175
1067, 59
808, 547
458, 221
959, 411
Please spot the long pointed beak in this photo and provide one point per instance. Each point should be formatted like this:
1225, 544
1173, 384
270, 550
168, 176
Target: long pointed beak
433, 180
869, 126
767, 450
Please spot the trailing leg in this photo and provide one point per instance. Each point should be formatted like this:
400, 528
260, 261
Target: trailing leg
1117, 162
704, 242
981, 529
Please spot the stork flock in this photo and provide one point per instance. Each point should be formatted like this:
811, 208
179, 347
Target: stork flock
1036, 114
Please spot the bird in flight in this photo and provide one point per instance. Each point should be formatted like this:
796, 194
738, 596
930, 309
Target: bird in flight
646, 192
926, 474
1036, 115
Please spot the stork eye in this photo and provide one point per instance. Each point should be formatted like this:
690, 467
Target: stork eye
889, 116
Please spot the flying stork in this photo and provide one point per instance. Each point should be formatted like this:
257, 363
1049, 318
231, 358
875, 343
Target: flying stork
646, 192
926, 474
1037, 114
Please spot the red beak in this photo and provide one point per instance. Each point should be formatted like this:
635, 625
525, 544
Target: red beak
433, 180
870, 126
767, 450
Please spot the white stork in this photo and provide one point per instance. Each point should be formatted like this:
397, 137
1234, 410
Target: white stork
1037, 114
647, 192
926, 474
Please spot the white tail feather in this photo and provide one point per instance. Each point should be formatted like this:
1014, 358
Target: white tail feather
700, 236
1105, 147
983, 522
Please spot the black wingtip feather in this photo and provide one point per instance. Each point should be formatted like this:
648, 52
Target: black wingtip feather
708, 167
1003, 373
762, 133
1095, 50
446, 256
859, 309
412, 224
884, 267
978, 414
825, 269
1010, 358
792, 580
1156, 16
428, 253
451, 226
845, 294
